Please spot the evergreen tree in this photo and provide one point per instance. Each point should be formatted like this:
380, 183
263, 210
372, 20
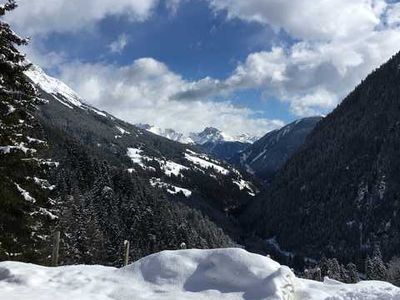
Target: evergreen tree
25, 210
375, 267
394, 271
352, 273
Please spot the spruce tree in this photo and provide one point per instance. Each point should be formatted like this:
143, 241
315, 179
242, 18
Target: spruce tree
24, 205
352, 273
394, 271
375, 267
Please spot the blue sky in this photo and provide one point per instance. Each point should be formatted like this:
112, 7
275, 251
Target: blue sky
244, 66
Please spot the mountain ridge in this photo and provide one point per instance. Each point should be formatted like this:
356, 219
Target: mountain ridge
339, 194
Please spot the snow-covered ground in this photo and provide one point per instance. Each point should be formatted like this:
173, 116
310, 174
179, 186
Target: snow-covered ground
204, 162
180, 275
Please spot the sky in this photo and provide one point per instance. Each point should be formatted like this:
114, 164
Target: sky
243, 66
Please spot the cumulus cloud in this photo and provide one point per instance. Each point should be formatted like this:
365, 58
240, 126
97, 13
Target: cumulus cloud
40, 17
338, 42
146, 92
308, 19
333, 45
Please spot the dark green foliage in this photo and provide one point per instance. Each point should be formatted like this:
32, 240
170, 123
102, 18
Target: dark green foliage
340, 193
224, 150
352, 273
24, 204
114, 206
100, 204
394, 271
375, 268
268, 155
332, 269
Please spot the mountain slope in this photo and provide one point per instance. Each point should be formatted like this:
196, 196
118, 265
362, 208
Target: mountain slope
339, 194
224, 150
267, 155
122, 182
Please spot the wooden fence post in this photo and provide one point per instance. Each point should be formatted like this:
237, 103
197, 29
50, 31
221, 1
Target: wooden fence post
56, 249
126, 252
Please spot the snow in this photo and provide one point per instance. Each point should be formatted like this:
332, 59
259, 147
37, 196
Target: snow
54, 86
44, 184
46, 212
20, 147
25, 194
244, 185
135, 154
11, 109
209, 134
100, 113
224, 274
122, 131
170, 167
156, 182
199, 160
33, 140
167, 133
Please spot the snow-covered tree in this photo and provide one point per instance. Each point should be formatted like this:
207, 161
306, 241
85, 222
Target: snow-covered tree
375, 268
394, 271
24, 205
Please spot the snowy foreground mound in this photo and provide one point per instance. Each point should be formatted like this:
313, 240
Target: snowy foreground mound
180, 275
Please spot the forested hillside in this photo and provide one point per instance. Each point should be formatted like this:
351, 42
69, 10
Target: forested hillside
339, 195
268, 155
114, 182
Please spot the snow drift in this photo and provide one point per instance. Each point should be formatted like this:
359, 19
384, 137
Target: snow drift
178, 275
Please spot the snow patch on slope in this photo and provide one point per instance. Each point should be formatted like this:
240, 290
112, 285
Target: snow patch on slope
225, 274
169, 167
204, 162
156, 182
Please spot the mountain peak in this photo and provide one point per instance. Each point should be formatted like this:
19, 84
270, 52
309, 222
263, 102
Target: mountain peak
209, 135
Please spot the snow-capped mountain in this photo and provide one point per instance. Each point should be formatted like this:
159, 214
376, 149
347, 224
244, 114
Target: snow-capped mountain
208, 135
168, 133
59, 90
211, 140
214, 135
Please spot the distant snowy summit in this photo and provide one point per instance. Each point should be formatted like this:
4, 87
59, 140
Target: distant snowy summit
167, 133
208, 135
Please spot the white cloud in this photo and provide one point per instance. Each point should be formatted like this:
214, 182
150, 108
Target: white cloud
308, 19
40, 17
146, 92
338, 42
119, 44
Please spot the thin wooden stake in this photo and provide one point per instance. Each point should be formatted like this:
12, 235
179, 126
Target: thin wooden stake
56, 249
126, 252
